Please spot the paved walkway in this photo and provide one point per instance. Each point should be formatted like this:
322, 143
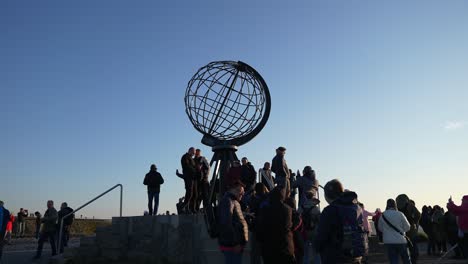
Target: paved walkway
22, 250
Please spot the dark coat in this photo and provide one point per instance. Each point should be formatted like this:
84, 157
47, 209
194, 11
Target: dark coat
50, 220
233, 229
248, 176
189, 168
329, 237
21, 216
279, 166
153, 180
63, 212
6, 219
274, 231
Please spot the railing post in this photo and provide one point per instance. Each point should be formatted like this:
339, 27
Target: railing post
81, 207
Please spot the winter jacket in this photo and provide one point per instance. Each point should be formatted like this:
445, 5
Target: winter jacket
63, 212
279, 166
275, 230
328, 241
306, 184
50, 220
21, 216
398, 219
203, 168
411, 212
5, 218
153, 180
188, 166
462, 213
248, 176
233, 229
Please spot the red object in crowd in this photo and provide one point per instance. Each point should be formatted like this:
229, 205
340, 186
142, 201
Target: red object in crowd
460, 211
9, 226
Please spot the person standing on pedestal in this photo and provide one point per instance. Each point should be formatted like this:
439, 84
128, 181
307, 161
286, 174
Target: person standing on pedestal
153, 180
280, 168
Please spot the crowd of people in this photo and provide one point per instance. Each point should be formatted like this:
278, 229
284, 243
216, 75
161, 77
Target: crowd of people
47, 227
282, 232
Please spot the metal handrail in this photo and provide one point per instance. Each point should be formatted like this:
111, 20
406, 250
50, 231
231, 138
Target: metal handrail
84, 205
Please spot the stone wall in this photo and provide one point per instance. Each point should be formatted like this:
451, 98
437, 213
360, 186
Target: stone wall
151, 239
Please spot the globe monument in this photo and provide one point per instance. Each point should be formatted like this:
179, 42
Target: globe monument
229, 103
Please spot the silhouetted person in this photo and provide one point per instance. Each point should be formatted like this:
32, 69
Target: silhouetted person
189, 171
274, 229
260, 195
4, 218
265, 176
67, 222
248, 175
38, 223
22, 214
203, 185
48, 232
413, 215
297, 227
306, 184
233, 229
342, 214
280, 168
462, 213
153, 181
451, 227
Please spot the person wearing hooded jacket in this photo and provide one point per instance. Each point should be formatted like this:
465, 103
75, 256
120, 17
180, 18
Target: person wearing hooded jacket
275, 229
394, 240
462, 213
330, 238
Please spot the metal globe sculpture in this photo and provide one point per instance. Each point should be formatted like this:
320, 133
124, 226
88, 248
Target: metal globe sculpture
228, 102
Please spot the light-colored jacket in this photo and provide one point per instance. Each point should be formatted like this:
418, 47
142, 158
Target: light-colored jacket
398, 219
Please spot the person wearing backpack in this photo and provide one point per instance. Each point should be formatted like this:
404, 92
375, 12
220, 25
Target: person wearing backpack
341, 237
393, 225
310, 214
153, 180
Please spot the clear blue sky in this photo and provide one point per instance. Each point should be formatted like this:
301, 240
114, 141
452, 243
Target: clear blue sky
91, 93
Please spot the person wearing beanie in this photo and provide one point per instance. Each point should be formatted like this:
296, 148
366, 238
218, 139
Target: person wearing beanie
462, 213
395, 240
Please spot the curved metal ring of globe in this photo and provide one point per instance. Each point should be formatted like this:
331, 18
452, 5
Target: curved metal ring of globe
228, 102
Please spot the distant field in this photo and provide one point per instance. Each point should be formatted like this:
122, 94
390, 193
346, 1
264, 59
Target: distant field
80, 226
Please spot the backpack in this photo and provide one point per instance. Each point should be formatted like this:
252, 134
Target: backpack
354, 238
